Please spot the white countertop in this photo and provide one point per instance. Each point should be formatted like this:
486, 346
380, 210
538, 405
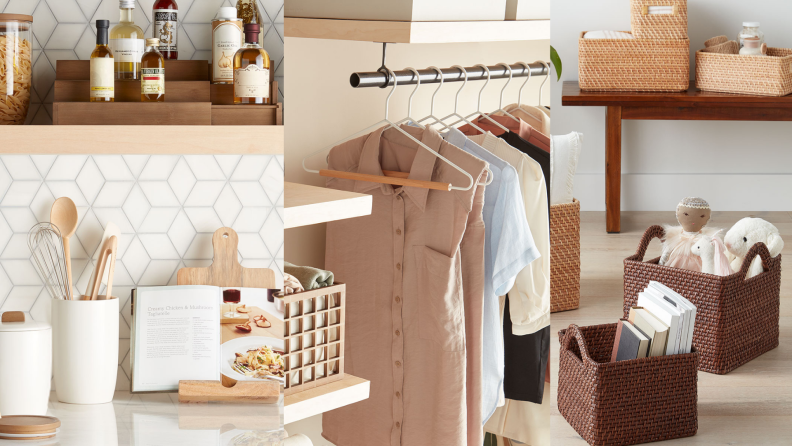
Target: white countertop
159, 420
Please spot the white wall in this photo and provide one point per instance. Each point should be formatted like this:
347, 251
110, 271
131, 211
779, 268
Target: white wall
737, 166
323, 108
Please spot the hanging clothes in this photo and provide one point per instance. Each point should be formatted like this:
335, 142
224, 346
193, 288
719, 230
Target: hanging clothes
539, 155
524, 130
524, 378
509, 248
406, 308
536, 117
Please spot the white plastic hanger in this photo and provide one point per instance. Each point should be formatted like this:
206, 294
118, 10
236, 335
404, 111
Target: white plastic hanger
398, 179
478, 103
541, 87
500, 102
431, 105
456, 103
409, 101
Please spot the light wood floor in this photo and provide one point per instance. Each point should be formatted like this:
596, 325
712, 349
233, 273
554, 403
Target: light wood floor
752, 405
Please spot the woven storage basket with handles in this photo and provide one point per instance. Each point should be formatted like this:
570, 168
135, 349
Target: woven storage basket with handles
659, 26
624, 402
633, 64
736, 319
564, 256
769, 75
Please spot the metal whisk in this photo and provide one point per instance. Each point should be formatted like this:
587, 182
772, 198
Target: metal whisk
46, 244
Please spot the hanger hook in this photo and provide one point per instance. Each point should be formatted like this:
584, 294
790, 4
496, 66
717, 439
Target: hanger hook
395, 84
508, 67
456, 99
527, 67
442, 79
486, 70
541, 87
417, 86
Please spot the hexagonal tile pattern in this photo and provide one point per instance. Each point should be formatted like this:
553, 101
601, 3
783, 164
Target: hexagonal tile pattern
166, 206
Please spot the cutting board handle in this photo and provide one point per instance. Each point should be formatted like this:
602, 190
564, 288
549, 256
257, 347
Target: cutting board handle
225, 242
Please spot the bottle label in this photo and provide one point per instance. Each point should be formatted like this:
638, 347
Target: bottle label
227, 39
165, 25
152, 81
251, 82
127, 50
102, 78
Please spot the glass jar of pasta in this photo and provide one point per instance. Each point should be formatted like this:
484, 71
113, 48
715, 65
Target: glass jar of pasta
16, 70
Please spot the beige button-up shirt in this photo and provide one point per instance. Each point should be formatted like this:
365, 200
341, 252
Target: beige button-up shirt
408, 271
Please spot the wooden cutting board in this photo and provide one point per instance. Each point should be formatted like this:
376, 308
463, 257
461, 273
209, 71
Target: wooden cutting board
225, 270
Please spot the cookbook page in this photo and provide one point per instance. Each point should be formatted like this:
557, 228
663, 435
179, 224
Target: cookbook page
176, 336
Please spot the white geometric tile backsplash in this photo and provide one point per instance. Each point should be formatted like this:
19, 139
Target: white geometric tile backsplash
167, 207
66, 30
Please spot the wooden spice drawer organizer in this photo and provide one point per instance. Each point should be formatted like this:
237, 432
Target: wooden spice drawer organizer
314, 337
190, 99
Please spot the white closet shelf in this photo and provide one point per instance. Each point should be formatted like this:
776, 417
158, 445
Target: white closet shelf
418, 32
346, 391
143, 139
308, 205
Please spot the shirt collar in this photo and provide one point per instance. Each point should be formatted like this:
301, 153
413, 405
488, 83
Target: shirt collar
421, 169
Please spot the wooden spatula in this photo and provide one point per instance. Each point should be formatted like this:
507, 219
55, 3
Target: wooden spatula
110, 230
107, 258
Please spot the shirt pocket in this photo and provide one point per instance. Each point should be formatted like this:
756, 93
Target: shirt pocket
440, 304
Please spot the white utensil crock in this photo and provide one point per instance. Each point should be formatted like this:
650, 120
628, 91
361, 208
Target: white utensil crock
85, 334
25, 366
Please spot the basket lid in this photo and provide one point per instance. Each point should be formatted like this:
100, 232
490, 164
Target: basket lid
32, 425
16, 18
17, 321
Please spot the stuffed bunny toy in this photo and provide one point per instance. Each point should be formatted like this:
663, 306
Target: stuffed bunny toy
746, 233
712, 252
692, 213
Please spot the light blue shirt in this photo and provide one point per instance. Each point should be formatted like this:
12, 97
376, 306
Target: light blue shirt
508, 248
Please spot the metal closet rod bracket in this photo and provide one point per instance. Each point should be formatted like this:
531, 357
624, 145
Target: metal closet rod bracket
429, 76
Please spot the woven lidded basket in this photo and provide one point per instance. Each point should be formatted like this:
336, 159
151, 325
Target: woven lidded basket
736, 318
624, 402
564, 256
769, 75
633, 64
659, 26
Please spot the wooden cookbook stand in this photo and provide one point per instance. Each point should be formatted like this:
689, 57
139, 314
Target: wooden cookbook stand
226, 271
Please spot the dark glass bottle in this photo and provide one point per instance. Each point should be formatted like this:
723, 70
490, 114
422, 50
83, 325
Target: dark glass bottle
165, 28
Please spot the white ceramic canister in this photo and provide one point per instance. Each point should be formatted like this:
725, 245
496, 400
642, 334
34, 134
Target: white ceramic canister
25, 364
85, 334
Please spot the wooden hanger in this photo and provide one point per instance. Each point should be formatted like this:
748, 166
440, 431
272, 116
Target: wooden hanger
397, 178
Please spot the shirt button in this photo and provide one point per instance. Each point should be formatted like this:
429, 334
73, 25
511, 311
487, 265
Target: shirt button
398, 424
398, 266
398, 333
398, 363
398, 299
398, 394
398, 197
398, 232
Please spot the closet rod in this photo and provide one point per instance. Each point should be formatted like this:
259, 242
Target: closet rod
430, 76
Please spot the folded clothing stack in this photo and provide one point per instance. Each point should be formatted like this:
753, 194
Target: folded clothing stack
311, 278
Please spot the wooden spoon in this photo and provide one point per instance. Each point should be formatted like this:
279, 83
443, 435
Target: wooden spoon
64, 215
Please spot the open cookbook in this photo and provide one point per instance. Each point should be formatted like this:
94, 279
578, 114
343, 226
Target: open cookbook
196, 332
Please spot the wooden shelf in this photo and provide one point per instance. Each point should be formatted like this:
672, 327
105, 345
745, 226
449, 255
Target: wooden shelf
308, 205
344, 392
142, 139
418, 32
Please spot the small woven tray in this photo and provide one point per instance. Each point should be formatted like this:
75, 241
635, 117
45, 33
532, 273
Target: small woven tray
769, 75
633, 64
564, 256
624, 402
736, 318
659, 26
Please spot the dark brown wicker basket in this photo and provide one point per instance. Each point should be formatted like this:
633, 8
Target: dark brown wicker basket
736, 319
564, 256
625, 402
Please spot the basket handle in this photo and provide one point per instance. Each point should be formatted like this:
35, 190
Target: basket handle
649, 234
757, 249
674, 9
573, 332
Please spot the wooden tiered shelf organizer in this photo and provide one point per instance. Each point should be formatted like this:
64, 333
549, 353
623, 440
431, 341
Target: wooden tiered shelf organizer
190, 99
313, 332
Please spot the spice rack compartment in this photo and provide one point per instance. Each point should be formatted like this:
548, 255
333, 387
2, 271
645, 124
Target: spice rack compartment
190, 100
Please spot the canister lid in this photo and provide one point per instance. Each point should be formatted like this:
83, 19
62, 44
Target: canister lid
751, 24
22, 427
19, 321
16, 18
227, 13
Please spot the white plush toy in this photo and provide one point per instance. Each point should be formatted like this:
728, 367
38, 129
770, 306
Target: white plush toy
713, 255
746, 233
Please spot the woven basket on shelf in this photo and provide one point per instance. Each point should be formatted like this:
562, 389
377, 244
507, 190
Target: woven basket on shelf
736, 318
564, 256
624, 402
659, 26
769, 75
633, 64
